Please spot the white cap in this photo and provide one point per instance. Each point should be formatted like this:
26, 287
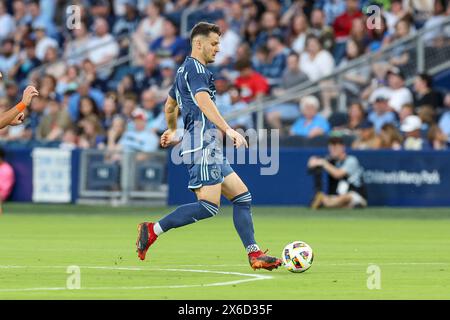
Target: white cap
411, 123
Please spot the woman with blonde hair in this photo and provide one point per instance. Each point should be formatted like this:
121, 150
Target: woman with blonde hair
390, 137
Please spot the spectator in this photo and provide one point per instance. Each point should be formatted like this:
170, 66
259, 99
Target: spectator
316, 62
32, 120
149, 29
411, 127
25, 64
378, 36
83, 90
53, 65
405, 111
128, 23
396, 13
69, 81
88, 109
437, 138
355, 117
39, 18
427, 116
69, 140
245, 121
434, 21
269, 26
229, 42
149, 74
251, 33
129, 104
424, 94
396, 91
390, 137
114, 133
91, 132
359, 33
381, 113
400, 54
7, 179
345, 175
273, 67
110, 109
139, 139
20, 13
103, 47
287, 111
298, 33
53, 123
444, 121
310, 124
149, 104
170, 45
167, 67
76, 49
332, 9
7, 23
8, 58
342, 27
43, 42
355, 79
252, 84
366, 137
322, 30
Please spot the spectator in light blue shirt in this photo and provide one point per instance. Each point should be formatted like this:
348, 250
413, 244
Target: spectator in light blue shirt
381, 114
139, 138
310, 124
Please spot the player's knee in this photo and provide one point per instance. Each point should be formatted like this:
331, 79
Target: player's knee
242, 199
208, 208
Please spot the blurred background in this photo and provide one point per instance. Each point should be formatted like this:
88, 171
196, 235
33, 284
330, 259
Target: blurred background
380, 77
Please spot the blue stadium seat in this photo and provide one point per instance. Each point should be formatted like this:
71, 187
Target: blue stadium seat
148, 175
103, 176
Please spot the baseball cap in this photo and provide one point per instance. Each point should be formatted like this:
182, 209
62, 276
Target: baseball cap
411, 123
139, 114
366, 124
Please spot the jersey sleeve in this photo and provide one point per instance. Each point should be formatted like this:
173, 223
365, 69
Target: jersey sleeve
172, 92
198, 81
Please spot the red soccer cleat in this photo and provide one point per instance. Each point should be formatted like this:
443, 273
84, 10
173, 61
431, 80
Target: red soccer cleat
146, 237
259, 260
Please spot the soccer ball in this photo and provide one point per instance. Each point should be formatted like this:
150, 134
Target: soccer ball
297, 256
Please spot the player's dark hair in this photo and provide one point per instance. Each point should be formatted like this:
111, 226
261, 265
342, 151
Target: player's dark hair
336, 140
204, 29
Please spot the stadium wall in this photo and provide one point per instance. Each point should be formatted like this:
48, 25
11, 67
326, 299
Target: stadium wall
394, 178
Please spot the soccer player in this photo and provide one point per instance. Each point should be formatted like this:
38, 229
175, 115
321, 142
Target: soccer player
15, 115
210, 174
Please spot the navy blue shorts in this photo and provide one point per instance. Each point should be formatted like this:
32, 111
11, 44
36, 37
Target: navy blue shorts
210, 168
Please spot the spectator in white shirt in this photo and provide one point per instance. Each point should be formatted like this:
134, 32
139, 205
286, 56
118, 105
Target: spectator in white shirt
43, 42
400, 94
103, 47
316, 62
7, 23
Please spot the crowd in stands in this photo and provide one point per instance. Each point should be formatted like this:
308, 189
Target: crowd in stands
103, 80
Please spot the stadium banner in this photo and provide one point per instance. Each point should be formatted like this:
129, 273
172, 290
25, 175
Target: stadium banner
393, 178
52, 175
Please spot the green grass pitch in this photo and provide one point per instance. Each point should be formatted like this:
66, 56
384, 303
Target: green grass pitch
206, 260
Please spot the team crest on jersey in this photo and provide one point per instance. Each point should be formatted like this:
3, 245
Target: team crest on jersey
215, 173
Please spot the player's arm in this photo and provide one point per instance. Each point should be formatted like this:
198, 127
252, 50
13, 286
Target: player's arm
14, 116
168, 138
209, 109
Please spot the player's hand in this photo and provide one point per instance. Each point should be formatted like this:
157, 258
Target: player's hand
18, 119
28, 94
168, 138
238, 139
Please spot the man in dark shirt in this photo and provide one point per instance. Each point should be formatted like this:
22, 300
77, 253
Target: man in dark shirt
346, 185
424, 94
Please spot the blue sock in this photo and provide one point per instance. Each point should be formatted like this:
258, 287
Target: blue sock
188, 213
242, 218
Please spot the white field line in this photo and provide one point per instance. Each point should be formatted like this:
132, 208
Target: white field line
253, 277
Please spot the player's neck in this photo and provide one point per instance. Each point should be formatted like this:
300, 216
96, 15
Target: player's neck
198, 57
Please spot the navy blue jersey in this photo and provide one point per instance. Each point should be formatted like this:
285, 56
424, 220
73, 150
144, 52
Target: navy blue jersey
192, 77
